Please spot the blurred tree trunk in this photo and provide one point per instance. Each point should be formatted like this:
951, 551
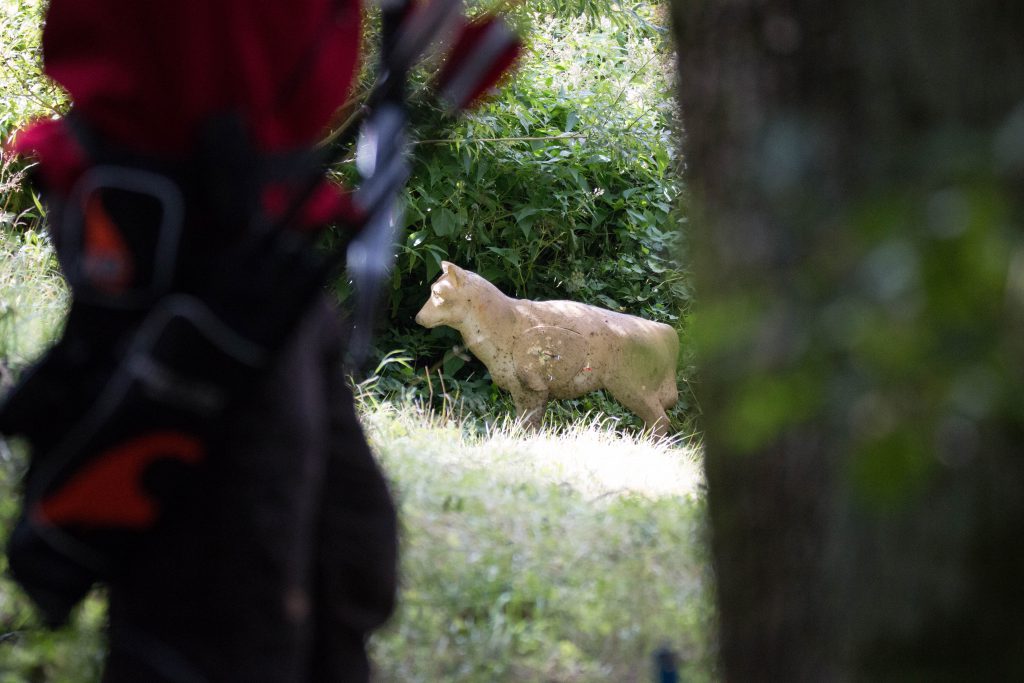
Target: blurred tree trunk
856, 173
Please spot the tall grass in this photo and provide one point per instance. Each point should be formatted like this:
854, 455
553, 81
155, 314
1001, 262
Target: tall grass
33, 297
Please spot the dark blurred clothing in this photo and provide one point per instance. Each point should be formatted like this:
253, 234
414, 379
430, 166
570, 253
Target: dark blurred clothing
285, 560
148, 74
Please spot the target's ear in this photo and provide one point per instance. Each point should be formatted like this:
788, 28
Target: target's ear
453, 272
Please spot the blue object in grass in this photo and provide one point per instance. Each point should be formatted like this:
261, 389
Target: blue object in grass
665, 666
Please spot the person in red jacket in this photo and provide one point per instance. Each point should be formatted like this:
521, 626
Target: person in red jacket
280, 560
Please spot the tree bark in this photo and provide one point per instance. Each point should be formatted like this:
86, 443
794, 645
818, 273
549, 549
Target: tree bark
856, 176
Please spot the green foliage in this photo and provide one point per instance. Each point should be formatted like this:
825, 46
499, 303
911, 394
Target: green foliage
933, 334
622, 15
915, 352
26, 95
570, 166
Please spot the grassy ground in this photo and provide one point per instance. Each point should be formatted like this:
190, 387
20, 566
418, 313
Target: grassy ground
565, 556
33, 298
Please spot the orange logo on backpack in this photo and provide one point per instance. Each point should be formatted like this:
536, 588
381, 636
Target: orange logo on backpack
107, 262
110, 491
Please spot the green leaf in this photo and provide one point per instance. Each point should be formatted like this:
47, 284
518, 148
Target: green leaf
570, 121
39, 205
526, 213
444, 222
415, 239
453, 364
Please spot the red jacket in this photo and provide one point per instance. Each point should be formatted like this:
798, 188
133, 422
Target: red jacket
147, 74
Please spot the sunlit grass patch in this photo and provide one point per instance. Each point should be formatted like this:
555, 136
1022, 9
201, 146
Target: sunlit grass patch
549, 556
588, 455
33, 296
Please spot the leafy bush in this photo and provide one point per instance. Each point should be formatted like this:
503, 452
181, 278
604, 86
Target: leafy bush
569, 166
26, 94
